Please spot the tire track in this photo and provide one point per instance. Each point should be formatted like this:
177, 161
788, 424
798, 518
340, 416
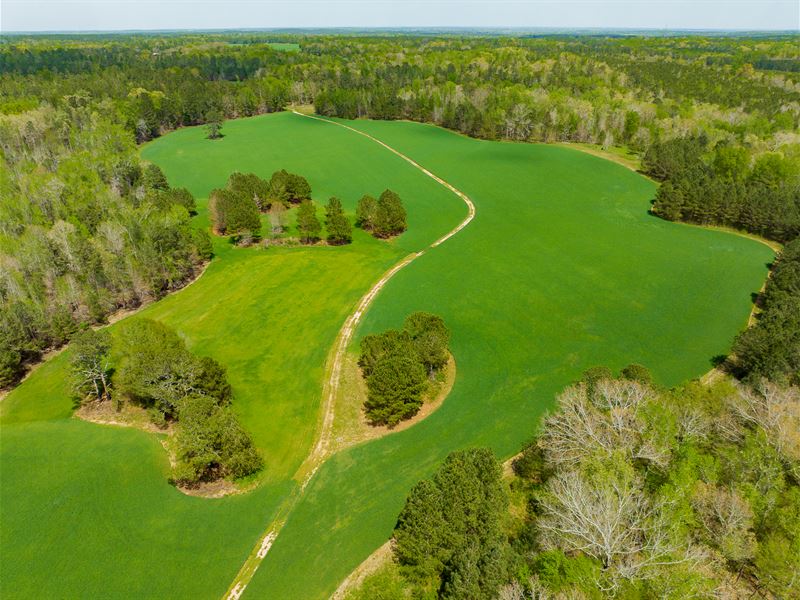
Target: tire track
321, 451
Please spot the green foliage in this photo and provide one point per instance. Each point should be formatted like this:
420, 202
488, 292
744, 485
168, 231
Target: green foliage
559, 572
214, 124
234, 214
709, 495
211, 443
394, 390
183, 197
395, 364
378, 346
765, 202
308, 224
429, 339
636, 372
385, 584
153, 178
390, 215
251, 186
90, 364
288, 188
155, 370
85, 229
450, 529
366, 212
337, 224
203, 244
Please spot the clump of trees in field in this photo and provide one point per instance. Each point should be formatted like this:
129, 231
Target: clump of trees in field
383, 217
156, 371
235, 210
85, 229
397, 365
627, 491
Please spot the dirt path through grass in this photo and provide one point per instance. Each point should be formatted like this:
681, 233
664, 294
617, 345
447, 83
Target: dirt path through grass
322, 447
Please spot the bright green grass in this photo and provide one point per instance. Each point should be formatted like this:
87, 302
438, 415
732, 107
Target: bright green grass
86, 509
562, 269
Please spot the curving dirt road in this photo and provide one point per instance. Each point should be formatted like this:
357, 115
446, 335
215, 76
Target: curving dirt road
321, 450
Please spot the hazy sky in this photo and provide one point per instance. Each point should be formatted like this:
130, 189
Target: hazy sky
64, 15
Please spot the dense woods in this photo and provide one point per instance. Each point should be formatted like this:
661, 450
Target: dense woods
85, 229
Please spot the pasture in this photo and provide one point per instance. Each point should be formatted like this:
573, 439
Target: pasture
561, 269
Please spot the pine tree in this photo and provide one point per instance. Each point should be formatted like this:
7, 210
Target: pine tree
307, 222
390, 216
339, 229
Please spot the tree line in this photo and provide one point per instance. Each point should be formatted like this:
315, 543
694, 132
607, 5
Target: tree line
150, 366
726, 185
626, 491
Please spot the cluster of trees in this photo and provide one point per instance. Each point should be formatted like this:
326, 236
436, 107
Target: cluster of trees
383, 217
235, 210
626, 492
85, 229
397, 365
725, 185
450, 537
154, 369
771, 347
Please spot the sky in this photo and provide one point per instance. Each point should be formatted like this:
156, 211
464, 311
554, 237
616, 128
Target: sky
105, 15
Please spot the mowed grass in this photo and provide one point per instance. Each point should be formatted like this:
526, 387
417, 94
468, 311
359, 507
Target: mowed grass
86, 509
562, 269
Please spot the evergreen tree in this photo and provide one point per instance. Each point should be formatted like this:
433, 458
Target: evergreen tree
307, 222
336, 223
390, 216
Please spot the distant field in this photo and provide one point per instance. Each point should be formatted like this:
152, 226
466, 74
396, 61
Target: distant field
284, 46
561, 269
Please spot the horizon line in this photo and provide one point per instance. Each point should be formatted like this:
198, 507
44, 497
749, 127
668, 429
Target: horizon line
474, 28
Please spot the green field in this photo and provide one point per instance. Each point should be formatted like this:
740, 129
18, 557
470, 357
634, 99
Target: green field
561, 269
284, 46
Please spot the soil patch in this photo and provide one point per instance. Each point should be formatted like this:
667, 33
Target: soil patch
372, 563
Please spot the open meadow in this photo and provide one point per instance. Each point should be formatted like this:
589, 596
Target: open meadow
561, 269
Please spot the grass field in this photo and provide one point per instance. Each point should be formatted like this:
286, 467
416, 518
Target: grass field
561, 269
285, 46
